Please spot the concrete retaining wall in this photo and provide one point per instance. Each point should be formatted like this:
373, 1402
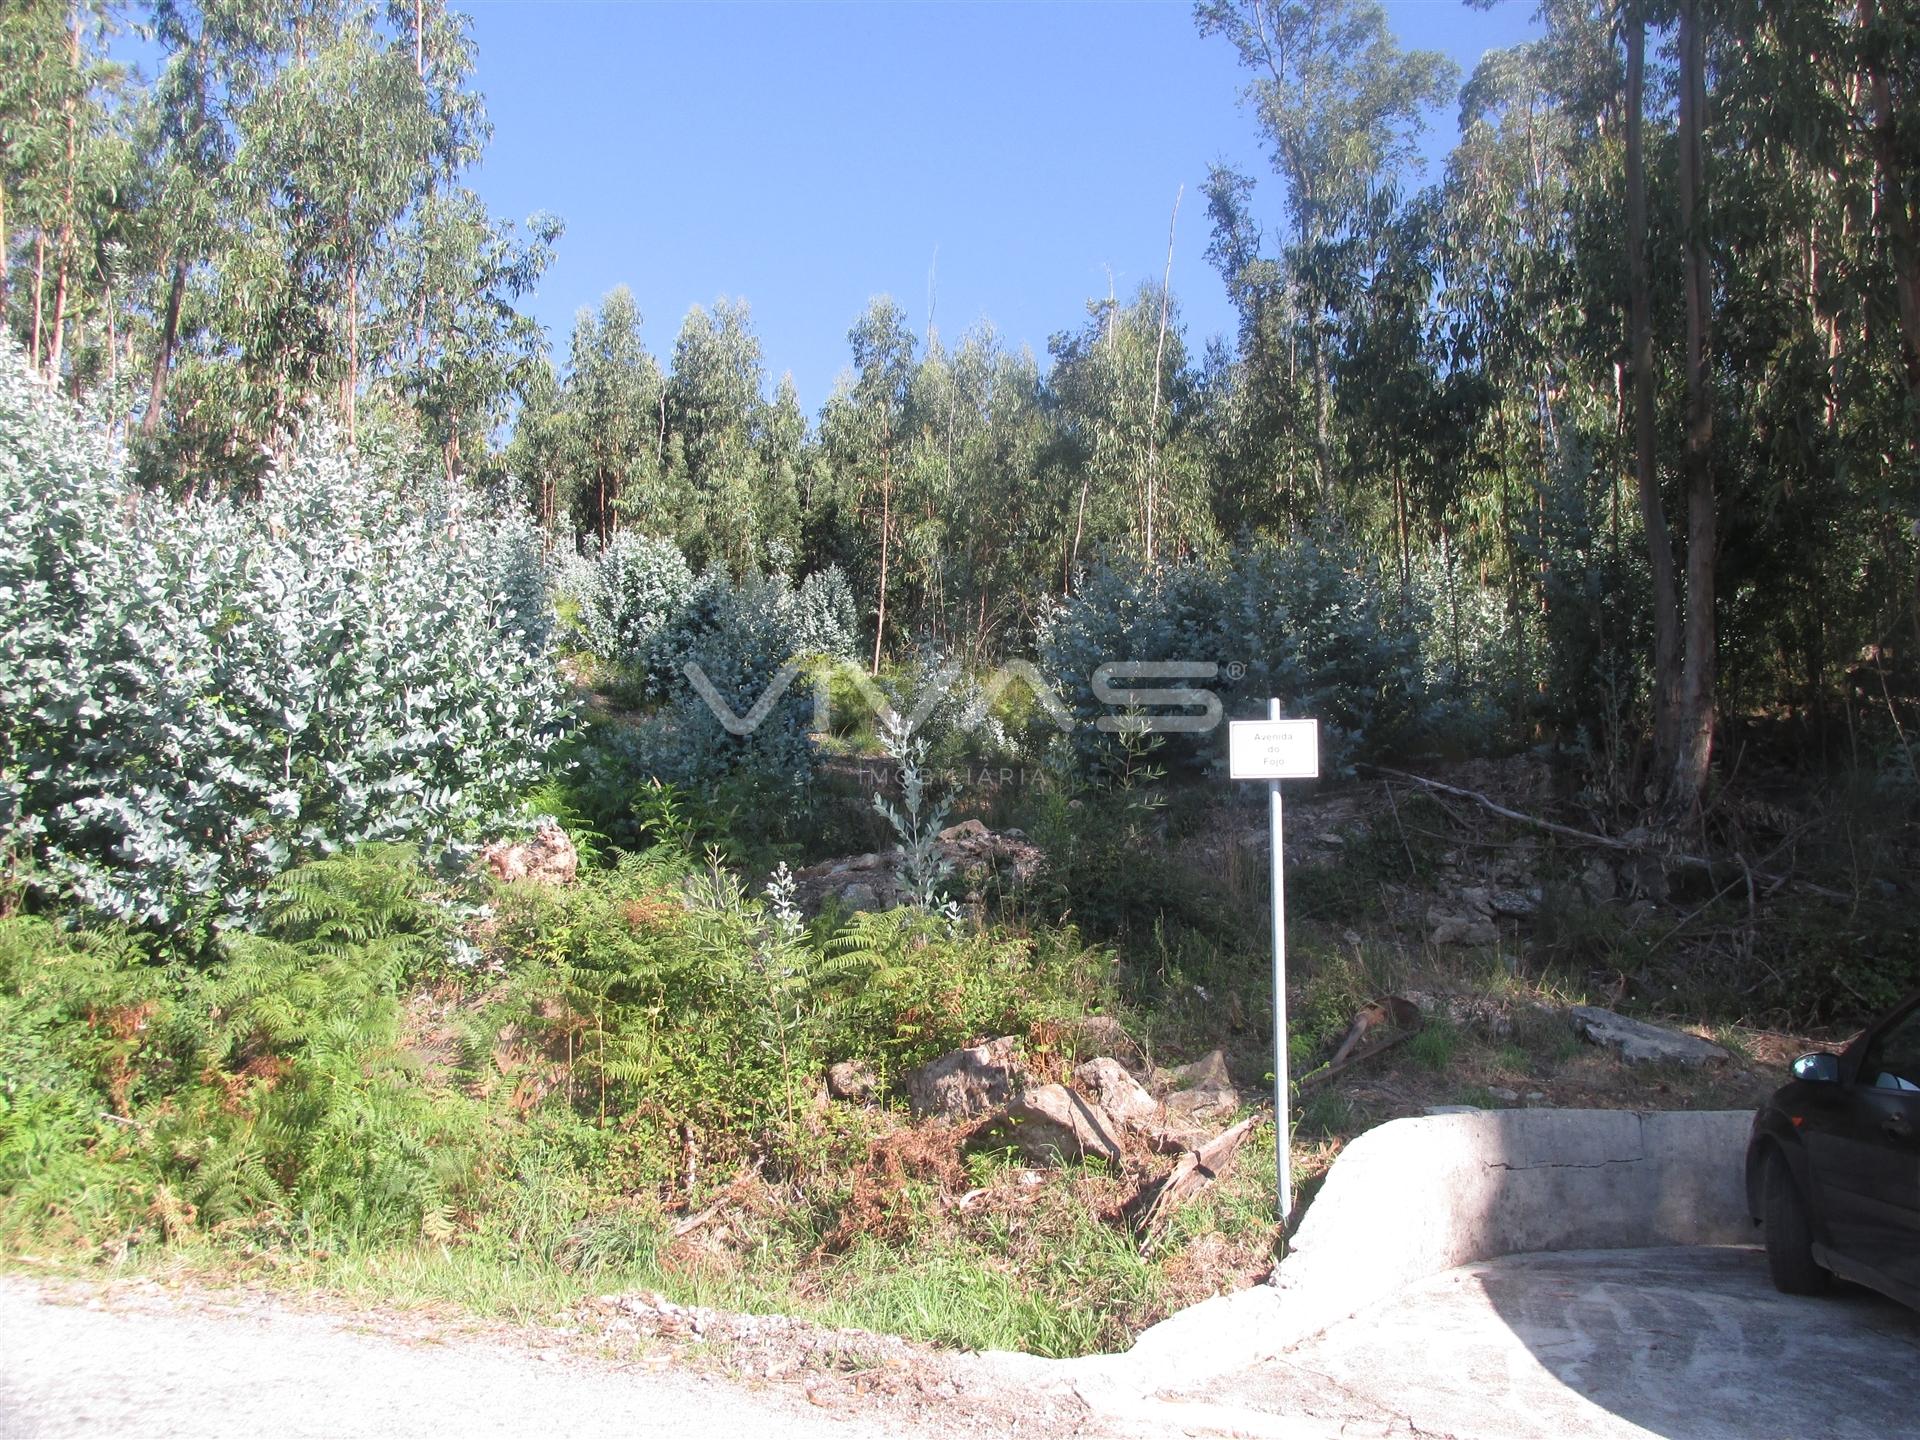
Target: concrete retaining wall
1415, 1197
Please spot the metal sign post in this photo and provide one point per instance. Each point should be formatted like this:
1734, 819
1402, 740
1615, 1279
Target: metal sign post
1274, 750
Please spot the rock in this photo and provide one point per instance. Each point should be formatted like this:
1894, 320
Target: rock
1454, 1110
1504, 1095
1050, 1125
1461, 929
1109, 1085
1209, 1072
547, 856
1200, 1091
1599, 881
1640, 1043
861, 896
967, 1083
852, 1081
1481, 1014
1476, 900
871, 882
1516, 903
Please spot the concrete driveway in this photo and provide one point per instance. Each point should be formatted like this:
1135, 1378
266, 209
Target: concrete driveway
1689, 1344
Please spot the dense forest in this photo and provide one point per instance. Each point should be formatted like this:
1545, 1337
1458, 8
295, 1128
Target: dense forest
1627, 394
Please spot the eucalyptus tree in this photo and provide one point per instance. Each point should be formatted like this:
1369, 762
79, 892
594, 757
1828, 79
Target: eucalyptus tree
1340, 106
615, 400
784, 476
468, 353
54, 167
1529, 327
1264, 447
1002, 525
714, 396
33, 77
861, 429
1116, 437
538, 453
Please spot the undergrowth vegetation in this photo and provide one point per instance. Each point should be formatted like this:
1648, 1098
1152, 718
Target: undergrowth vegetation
335, 1094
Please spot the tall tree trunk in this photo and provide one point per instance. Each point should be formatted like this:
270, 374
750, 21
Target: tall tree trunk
353, 349
163, 353
1322, 445
63, 259
39, 288
1897, 206
1159, 351
1400, 534
886, 531
1693, 754
1653, 513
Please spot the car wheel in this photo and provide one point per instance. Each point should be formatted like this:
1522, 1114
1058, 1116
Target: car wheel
1789, 1232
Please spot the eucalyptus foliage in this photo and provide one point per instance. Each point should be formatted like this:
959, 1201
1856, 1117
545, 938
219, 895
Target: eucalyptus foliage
625, 591
1306, 622
199, 694
709, 650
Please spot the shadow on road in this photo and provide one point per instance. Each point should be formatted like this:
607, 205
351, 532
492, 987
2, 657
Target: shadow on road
1695, 1344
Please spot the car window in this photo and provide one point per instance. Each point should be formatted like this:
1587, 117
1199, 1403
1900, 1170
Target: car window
1893, 1059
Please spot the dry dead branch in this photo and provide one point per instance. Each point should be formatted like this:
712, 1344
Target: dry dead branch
1156, 1203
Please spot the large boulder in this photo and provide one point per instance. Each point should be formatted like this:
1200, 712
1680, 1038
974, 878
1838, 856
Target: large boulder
969, 1083
1639, 1043
1112, 1087
548, 856
1050, 1125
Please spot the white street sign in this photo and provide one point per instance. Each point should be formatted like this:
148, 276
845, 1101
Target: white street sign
1273, 750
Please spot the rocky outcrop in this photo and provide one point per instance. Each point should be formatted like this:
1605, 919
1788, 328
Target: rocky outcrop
980, 858
967, 1084
1111, 1086
1640, 1043
1198, 1094
1052, 1125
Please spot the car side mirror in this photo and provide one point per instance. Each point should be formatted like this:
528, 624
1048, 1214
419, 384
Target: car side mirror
1819, 1067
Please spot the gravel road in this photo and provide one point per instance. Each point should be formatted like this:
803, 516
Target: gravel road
80, 1360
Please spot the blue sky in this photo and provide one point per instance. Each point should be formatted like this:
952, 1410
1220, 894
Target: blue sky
807, 157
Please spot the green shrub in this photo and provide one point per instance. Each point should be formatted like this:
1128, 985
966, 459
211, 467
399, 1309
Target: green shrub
199, 694
1305, 622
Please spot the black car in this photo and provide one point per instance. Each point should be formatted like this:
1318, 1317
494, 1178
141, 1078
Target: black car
1833, 1168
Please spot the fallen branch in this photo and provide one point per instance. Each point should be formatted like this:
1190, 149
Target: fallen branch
1317, 1078
1590, 837
694, 1222
1155, 1205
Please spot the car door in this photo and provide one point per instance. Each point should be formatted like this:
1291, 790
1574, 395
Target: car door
1889, 1087
1864, 1151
